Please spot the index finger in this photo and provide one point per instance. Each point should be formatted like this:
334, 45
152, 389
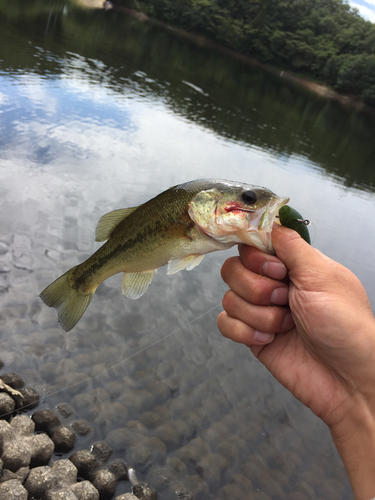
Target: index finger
262, 263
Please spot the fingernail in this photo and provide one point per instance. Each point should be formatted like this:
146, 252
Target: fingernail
274, 270
288, 322
280, 296
263, 337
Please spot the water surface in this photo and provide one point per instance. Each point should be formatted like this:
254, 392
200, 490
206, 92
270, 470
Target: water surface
98, 112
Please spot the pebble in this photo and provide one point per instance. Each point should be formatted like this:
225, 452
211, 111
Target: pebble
184, 494
139, 454
127, 496
169, 435
85, 462
42, 449
59, 482
12, 490
29, 400
105, 482
84, 490
45, 420
81, 427
120, 469
7, 403
102, 451
39, 480
64, 439
12, 379
143, 492
65, 410
20, 446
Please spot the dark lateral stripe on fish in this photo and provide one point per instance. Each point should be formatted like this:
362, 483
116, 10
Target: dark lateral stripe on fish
97, 264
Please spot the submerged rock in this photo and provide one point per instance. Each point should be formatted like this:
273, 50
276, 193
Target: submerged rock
12, 490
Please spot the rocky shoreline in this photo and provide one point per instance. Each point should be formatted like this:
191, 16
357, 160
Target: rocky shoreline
27, 469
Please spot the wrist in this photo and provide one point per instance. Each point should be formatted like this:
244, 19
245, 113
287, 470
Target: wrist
354, 438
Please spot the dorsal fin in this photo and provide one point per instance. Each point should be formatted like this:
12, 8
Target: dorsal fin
109, 221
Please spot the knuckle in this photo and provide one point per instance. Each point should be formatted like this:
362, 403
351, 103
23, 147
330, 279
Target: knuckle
229, 300
273, 319
227, 269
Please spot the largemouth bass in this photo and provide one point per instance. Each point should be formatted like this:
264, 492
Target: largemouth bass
177, 227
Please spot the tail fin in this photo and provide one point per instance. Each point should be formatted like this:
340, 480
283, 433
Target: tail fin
70, 303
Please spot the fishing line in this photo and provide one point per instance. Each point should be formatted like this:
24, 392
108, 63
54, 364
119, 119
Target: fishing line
42, 399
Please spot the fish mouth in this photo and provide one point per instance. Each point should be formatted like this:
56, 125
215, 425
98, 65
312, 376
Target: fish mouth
260, 227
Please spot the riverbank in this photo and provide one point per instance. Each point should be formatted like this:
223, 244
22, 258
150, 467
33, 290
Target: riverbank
92, 4
317, 88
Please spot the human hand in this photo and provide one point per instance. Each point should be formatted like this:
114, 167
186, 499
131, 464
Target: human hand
321, 333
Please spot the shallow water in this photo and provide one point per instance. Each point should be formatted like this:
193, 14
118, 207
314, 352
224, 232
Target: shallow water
97, 112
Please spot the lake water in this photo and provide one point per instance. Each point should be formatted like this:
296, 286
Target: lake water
98, 112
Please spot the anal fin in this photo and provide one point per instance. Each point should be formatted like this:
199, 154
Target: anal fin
188, 263
134, 285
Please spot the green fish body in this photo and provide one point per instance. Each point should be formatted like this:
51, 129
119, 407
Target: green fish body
177, 227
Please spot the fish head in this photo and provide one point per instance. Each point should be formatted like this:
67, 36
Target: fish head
237, 213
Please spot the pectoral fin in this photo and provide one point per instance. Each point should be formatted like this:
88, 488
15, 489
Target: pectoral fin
188, 263
134, 285
109, 221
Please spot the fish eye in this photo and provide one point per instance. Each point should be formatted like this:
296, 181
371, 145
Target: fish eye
249, 197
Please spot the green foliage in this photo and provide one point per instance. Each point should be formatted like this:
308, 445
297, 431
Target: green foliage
324, 38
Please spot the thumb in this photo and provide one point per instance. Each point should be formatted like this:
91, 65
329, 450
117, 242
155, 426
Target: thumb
295, 252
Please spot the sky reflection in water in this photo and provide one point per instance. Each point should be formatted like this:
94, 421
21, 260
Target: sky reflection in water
99, 131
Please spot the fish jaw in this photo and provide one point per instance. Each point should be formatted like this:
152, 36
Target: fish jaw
259, 232
229, 221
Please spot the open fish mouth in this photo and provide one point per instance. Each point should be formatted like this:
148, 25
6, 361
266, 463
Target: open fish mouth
260, 227
265, 219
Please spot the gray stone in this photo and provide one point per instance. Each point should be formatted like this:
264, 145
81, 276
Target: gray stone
184, 494
64, 438
102, 451
7, 404
64, 471
22, 425
16, 454
168, 433
120, 469
81, 427
143, 492
12, 490
85, 491
22, 474
140, 454
159, 475
59, 495
42, 448
20, 447
39, 480
126, 496
105, 482
85, 462
55, 482
45, 420
29, 399
7, 475
12, 379
65, 410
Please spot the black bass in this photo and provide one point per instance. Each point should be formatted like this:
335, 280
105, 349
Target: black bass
177, 228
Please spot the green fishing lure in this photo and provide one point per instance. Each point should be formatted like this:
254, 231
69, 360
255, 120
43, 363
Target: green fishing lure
289, 217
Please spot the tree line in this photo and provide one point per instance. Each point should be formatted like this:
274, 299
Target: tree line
324, 39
